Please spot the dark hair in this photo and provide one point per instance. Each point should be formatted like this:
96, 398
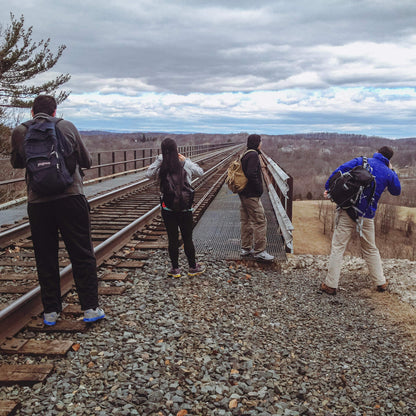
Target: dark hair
170, 161
386, 151
44, 104
253, 141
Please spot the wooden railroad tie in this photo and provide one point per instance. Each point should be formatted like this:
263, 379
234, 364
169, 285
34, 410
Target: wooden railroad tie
8, 407
151, 245
111, 290
113, 276
17, 289
18, 276
34, 347
62, 325
24, 374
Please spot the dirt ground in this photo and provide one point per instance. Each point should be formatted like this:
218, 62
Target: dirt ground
308, 237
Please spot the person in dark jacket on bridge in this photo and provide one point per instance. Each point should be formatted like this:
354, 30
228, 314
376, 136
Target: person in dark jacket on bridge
171, 163
252, 216
386, 177
67, 213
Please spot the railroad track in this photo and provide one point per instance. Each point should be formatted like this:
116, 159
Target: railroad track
125, 223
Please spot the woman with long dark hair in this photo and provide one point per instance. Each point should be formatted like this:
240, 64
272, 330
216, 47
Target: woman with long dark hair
175, 175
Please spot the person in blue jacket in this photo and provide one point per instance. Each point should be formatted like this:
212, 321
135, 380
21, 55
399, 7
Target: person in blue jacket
386, 177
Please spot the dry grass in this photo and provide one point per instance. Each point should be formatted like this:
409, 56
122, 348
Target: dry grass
309, 238
389, 307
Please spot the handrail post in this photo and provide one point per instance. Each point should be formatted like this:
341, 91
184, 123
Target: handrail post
99, 164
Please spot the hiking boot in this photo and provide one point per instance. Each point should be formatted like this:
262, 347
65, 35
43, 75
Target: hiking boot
92, 315
174, 272
198, 269
50, 318
246, 252
264, 256
383, 288
328, 290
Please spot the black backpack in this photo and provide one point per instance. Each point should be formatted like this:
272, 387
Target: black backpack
177, 193
46, 152
345, 189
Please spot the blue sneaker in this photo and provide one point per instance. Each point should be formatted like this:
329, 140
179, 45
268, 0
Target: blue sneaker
50, 318
92, 315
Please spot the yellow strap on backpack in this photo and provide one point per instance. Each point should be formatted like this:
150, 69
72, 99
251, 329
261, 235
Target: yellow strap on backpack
236, 179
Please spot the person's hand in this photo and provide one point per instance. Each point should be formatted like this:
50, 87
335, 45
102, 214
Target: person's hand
182, 158
326, 194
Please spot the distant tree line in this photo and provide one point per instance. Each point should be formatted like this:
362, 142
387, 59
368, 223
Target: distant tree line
310, 159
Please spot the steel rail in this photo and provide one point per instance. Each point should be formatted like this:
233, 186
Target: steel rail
23, 230
18, 314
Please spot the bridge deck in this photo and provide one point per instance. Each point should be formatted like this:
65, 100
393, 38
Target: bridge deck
218, 231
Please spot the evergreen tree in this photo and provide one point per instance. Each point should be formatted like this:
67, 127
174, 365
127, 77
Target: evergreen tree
22, 59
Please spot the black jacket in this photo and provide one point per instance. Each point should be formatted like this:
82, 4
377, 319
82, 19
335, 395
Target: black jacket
250, 163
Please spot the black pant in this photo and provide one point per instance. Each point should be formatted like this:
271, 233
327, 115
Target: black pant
173, 222
70, 216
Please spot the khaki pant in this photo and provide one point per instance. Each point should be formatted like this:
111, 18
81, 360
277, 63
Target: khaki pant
253, 224
344, 227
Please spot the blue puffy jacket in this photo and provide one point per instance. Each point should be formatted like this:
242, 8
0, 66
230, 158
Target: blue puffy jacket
385, 178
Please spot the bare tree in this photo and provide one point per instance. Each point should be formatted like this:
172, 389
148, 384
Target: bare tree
386, 217
409, 225
326, 215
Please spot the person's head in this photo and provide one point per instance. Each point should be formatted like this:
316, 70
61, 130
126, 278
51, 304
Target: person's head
170, 161
44, 104
169, 147
253, 141
386, 151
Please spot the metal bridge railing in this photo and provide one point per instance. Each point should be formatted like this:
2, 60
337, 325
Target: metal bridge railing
280, 188
107, 164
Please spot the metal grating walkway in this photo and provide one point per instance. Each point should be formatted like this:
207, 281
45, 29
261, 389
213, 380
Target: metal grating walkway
218, 231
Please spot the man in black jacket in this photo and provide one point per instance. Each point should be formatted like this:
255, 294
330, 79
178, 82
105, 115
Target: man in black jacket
252, 217
67, 212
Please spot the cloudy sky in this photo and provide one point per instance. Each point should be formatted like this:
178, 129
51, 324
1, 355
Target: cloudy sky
275, 67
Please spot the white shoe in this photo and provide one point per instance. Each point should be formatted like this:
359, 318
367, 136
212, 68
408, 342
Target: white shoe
50, 318
92, 315
245, 253
264, 256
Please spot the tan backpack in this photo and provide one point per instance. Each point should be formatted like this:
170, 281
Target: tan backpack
236, 180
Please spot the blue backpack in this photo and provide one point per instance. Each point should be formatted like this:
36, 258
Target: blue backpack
47, 172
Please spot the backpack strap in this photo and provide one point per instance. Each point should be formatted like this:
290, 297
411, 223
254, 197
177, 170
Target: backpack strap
248, 150
370, 198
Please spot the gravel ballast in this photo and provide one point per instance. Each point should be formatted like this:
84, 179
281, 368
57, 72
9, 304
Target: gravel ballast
237, 340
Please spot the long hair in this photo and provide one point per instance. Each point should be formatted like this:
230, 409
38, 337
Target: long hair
170, 161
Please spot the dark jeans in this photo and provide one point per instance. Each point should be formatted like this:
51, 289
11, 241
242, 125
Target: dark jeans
70, 216
173, 222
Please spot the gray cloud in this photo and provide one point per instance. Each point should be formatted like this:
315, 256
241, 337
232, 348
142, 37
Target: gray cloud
134, 48
187, 46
